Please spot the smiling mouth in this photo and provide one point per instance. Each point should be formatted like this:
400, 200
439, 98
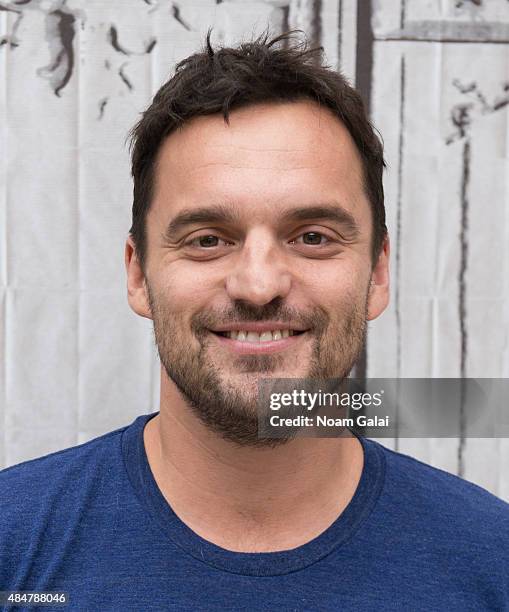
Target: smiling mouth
259, 337
264, 341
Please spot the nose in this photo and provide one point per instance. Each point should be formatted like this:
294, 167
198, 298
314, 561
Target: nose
261, 272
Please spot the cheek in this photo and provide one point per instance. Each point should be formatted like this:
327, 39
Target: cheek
334, 283
181, 295
185, 288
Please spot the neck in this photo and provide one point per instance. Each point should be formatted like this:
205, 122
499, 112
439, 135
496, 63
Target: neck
248, 499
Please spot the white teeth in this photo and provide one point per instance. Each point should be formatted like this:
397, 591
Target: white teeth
266, 336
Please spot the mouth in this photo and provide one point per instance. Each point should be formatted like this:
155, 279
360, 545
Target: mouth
243, 341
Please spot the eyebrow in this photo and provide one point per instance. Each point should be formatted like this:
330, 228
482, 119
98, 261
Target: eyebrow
209, 214
228, 215
325, 212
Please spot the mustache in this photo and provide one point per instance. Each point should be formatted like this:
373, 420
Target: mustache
243, 312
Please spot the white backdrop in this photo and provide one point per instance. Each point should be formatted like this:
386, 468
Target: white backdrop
74, 76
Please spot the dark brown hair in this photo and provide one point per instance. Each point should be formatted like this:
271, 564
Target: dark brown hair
262, 70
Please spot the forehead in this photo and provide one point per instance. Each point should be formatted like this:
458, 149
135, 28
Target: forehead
268, 156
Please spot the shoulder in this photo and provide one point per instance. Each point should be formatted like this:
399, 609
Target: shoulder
41, 472
446, 533
445, 503
44, 499
429, 480
55, 481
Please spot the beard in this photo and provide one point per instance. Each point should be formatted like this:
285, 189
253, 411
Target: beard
229, 407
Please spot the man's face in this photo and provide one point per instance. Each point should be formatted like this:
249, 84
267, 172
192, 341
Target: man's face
258, 261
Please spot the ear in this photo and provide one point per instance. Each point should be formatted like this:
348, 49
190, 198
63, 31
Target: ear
379, 288
137, 294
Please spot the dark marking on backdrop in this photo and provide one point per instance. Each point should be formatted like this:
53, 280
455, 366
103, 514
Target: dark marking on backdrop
60, 32
124, 78
285, 21
113, 38
316, 23
364, 55
340, 34
465, 180
462, 115
102, 106
363, 76
10, 39
175, 11
399, 212
461, 3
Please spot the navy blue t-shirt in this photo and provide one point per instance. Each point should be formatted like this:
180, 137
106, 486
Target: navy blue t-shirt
91, 521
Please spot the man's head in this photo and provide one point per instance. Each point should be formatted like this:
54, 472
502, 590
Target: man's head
258, 203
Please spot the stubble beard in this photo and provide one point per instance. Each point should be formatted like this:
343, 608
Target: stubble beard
231, 410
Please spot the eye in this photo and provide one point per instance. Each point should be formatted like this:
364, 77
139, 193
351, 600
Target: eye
312, 239
206, 241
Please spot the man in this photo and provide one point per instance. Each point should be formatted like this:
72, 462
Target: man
259, 250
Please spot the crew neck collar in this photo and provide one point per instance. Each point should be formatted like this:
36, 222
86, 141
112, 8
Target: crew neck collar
251, 564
